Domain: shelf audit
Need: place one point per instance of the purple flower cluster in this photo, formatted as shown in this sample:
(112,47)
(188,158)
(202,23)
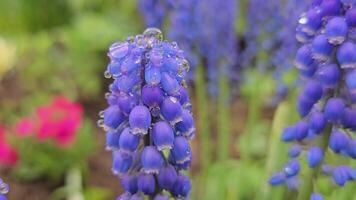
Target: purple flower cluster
(207,36)
(270,44)
(154,11)
(327,63)
(149,121)
(183,28)
(264,22)
(4,189)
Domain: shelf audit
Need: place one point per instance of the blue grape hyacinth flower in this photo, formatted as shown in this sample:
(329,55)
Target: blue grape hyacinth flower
(149,120)
(326,104)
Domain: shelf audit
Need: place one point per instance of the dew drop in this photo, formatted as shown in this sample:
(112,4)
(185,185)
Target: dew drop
(107,74)
(153,32)
(101,113)
(4,188)
(107,95)
(100,123)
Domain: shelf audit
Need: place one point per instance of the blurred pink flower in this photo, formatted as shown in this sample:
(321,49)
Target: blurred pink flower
(25,127)
(60,120)
(8,156)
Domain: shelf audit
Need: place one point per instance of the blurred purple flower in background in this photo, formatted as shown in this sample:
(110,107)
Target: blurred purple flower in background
(149,121)
(327,64)
(154,12)
(205,38)
(269,38)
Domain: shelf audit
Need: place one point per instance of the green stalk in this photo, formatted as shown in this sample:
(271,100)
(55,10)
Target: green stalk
(306,188)
(223,118)
(74,184)
(275,154)
(203,119)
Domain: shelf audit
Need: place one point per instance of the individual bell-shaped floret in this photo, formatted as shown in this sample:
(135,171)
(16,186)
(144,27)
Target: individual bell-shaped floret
(126,83)
(113,117)
(128,141)
(329,75)
(114,68)
(309,72)
(126,102)
(122,162)
(312,21)
(342,174)
(186,127)
(171,110)
(301,131)
(289,134)
(336,30)
(334,109)
(182,186)
(348,120)
(321,48)
(338,141)
(317,122)
(118,50)
(304,104)
(294,151)
(129,183)
(315,156)
(146,183)
(140,120)
(291,168)
(130,64)
(152,95)
(277,178)
(313,90)
(183,97)
(162,135)
(181,150)
(330,8)
(304,58)
(112,140)
(167,177)
(153,75)
(151,159)
(170,85)
(346,55)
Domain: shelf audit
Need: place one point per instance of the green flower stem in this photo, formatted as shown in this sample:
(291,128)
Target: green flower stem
(74,184)
(253,118)
(310,175)
(275,153)
(223,118)
(203,118)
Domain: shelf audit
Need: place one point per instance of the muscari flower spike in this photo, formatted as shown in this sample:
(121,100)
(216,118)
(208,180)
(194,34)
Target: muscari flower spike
(327,64)
(149,122)
(4,189)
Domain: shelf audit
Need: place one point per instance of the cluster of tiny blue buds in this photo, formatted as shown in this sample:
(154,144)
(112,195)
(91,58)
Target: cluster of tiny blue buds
(4,189)
(149,122)
(327,64)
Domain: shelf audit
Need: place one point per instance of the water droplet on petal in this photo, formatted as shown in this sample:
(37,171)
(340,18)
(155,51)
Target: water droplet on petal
(107,74)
